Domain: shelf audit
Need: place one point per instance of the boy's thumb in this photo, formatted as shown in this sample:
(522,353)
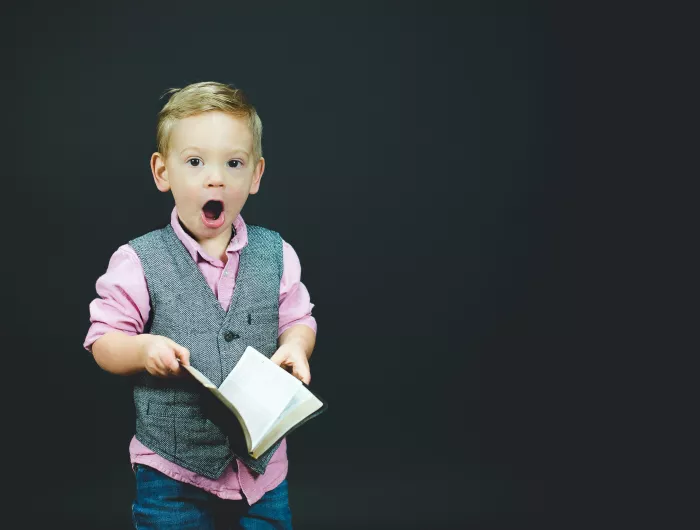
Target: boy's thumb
(304,374)
(277,358)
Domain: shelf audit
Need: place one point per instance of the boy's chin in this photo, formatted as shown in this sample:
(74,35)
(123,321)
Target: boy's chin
(200,230)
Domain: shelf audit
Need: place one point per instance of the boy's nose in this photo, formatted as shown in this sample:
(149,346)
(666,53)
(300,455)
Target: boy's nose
(215,179)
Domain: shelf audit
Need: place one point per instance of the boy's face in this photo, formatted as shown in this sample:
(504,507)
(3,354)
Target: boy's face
(210,171)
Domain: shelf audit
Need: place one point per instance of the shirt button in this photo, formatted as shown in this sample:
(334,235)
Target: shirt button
(230,335)
(225,273)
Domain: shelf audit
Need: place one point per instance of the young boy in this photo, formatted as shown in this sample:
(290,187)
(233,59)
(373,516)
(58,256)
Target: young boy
(199,291)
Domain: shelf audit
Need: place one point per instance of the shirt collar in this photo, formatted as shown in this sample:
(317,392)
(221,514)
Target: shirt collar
(239,239)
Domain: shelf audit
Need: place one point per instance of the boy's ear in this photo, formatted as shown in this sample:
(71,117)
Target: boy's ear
(160,173)
(257,175)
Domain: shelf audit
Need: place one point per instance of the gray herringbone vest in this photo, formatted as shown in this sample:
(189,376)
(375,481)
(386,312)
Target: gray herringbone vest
(175,417)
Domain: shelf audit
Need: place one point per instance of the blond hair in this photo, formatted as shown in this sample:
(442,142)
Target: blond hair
(203,97)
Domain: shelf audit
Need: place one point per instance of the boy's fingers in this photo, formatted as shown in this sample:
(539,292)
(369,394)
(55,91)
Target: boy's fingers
(301,371)
(159,366)
(159,362)
(299,368)
(184,356)
(277,358)
(169,361)
(181,353)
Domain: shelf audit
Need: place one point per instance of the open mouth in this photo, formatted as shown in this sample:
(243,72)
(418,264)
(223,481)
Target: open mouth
(213,215)
(212,210)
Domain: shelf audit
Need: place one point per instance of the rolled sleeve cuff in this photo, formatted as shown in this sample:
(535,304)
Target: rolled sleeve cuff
(97,330)
(306,321)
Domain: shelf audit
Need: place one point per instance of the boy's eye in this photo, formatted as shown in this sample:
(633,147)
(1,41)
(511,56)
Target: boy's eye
(234,163)
(194,162)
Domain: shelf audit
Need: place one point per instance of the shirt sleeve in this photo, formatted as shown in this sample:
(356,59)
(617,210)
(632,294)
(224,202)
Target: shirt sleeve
(123,302)
(295,304)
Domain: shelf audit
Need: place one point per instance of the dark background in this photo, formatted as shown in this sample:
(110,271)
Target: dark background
(429,163)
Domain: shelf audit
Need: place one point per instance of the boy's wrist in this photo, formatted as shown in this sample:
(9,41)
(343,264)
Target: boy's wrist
(300,336)
(141,342)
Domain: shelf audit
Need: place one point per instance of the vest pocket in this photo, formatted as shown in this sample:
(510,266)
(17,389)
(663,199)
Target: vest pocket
(189,429)
(262,314)
(198,440)
(197,433)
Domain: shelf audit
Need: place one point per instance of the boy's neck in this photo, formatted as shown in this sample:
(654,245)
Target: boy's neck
(216,248)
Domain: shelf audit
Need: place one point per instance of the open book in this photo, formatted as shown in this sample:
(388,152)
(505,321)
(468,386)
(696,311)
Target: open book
(268,401)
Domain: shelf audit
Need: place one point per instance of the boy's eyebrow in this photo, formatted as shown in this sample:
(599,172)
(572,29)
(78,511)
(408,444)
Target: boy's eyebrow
(239,151)
(195,148)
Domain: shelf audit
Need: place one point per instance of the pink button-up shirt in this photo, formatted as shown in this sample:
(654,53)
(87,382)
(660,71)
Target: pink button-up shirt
(124,305)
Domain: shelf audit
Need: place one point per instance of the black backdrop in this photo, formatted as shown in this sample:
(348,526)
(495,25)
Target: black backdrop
(416,160)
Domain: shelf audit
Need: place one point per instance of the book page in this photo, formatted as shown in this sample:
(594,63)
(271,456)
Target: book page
(303,404)
(260,390)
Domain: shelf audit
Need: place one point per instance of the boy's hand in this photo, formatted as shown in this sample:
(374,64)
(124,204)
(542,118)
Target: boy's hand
(160,356)
(292,358)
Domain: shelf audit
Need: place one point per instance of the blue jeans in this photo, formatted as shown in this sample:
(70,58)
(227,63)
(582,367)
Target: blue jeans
(164,503)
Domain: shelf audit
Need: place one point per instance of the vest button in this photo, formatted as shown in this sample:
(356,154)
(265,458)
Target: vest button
(229,336)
